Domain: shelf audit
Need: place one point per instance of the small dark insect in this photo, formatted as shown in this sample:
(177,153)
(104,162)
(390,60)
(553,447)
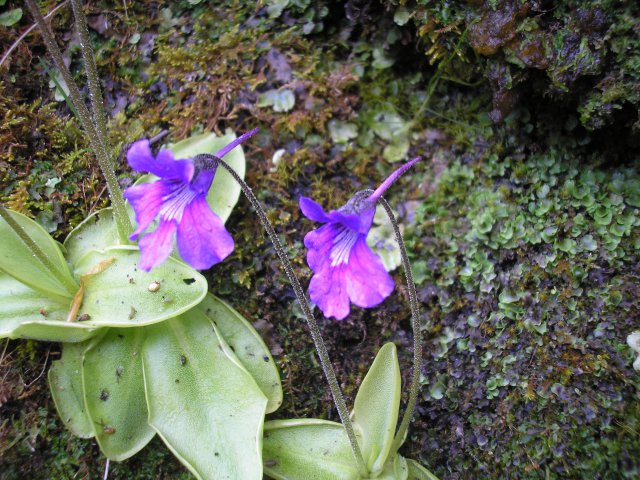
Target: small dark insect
(132,281)
(183,360)
(43,312)
(84,317)
(188,281)
(104,395)
(119,372)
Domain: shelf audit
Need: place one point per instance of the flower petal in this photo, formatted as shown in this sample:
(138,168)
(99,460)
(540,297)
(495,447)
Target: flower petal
(367,281)
(327,290)
(141,159)
(360,222)
(312,210)
(155,247)
(146,201)
(320,242)
(202,183)
(202,238)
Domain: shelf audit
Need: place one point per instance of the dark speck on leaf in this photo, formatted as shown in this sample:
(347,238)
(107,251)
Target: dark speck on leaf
(84,317)
(104,395)
(189,281)
(265,358)
(183,360)
(177,380)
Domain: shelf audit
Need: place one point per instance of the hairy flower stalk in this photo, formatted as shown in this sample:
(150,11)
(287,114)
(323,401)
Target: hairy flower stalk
(99,116)
(417,332)
(325,362)
(98,143)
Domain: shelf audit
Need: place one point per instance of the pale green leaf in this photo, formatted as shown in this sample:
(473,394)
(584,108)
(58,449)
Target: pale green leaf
(97,232)
(395,469)
(114,393)
(375,411)
(27,313)
(279,100)
(342,132)
(65,383)
(381,59)
(386,124)
(401,16)
(19,262)
(205,406)
(7,19)
(224,192)
(247,345)
(124,296)
(308,449)
(397,150)
(275,7)
(418,472)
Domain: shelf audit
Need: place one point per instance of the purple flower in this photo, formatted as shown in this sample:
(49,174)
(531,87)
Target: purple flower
(178,199)
(345,269)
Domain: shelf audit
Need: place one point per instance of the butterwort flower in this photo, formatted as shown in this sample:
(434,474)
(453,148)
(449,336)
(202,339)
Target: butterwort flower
(345,269)
(178,200)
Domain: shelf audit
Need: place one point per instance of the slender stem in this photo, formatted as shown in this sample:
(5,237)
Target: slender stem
(417,333)
(91,70)
(123,223)
(64,280)
(311,321)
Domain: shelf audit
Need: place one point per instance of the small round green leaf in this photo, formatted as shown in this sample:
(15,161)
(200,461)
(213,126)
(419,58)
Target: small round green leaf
(114,393)
(124,296)
(308,448)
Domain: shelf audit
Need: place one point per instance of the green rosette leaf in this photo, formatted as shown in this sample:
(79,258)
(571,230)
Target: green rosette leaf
(114,392)
(122,295)
(206,407)
(248,347)
(375,411)
(18,261)
(308,449)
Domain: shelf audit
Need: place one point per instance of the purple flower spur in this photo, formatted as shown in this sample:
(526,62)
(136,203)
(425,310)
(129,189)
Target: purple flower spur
(178,199)
(345,269)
